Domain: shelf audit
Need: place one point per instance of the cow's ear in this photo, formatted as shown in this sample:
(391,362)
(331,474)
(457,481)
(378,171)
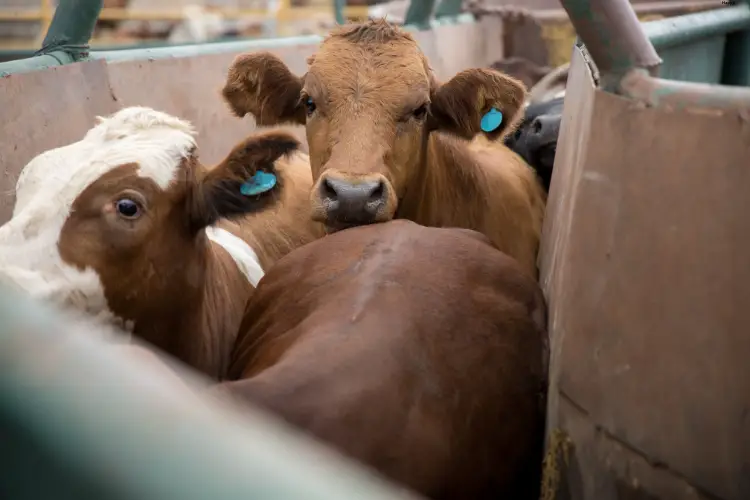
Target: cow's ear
(260,84)
(477,101)
(245,182)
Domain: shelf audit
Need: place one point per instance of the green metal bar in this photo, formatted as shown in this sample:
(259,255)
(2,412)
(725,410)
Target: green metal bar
(613,36)
(82,421)
(338,11)
(682,30)
(448,8)
(736,68)
(71,28)
(66,40)
(419,13)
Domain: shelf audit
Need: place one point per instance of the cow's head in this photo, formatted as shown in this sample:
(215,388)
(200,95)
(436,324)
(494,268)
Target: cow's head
(115,223)
(368,101)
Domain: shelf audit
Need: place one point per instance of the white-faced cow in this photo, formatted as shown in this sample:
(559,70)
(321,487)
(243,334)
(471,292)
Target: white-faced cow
(126,224)
(388,141)
(418,351)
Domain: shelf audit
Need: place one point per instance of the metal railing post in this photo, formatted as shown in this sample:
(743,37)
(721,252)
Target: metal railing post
(338,11)
(419,13)
(71,29)
(613,36)
(67,38)
(448,8)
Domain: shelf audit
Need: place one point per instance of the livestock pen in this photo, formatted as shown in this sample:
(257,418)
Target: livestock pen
(643,265)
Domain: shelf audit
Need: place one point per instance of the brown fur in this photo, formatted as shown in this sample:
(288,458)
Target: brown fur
(183,292)
(369,85)
(418,351)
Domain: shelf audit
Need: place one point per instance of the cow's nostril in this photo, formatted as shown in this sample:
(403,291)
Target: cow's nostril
(536,126)
(328,190)
(377,193)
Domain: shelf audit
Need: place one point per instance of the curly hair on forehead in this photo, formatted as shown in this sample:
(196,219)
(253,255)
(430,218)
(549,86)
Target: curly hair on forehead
(372,31)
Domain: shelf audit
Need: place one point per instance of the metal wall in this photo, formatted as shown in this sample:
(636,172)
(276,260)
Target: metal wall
(644,265)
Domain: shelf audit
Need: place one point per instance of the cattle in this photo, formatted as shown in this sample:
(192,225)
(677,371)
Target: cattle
(418,351)
(387,141)
(128,226)
(535,139)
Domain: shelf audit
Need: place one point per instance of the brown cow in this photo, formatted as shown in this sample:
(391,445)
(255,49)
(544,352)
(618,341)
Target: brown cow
(369,102)
(418,351)
(126,224)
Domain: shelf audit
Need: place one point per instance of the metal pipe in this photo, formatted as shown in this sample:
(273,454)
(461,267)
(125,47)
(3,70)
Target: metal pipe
(683,30)
(71,28)
(448,8)
(80,417)
(338,11)
(655,92)
(613,36)
(66,40)
(419,13)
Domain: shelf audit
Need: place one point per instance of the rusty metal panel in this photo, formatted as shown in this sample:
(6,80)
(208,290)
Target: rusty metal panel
(47,109)
(644,263)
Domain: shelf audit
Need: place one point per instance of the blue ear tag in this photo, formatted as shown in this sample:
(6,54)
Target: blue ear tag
(258,184)
(491,120)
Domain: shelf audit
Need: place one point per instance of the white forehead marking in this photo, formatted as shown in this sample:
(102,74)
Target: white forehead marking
(156,141)
(242,253)
(48,186)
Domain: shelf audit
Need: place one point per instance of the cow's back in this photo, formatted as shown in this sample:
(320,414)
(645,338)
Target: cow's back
(418,351)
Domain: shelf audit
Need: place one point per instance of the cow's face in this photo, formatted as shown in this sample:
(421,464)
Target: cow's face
(368,101)
(114,222)
(535,139)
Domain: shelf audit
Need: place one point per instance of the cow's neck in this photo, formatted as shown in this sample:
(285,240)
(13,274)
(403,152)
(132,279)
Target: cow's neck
(445,176)
(204,315)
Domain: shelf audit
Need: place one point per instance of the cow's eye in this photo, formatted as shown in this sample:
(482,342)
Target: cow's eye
(310,106)
(128,208)
(420,112)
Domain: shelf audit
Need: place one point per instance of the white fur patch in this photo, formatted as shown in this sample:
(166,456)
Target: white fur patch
(242,254)
(51,182)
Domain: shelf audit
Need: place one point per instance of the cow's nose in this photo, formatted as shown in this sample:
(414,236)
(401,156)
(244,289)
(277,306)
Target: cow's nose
(546,128)
(352,202)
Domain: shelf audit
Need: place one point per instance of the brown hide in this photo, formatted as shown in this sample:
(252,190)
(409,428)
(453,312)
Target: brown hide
(182,292)
(387,140)
(418,351)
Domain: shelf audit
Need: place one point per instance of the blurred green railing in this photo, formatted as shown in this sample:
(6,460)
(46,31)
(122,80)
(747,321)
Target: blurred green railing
(74,21)
(707,47)
(80,421)
(710,47)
